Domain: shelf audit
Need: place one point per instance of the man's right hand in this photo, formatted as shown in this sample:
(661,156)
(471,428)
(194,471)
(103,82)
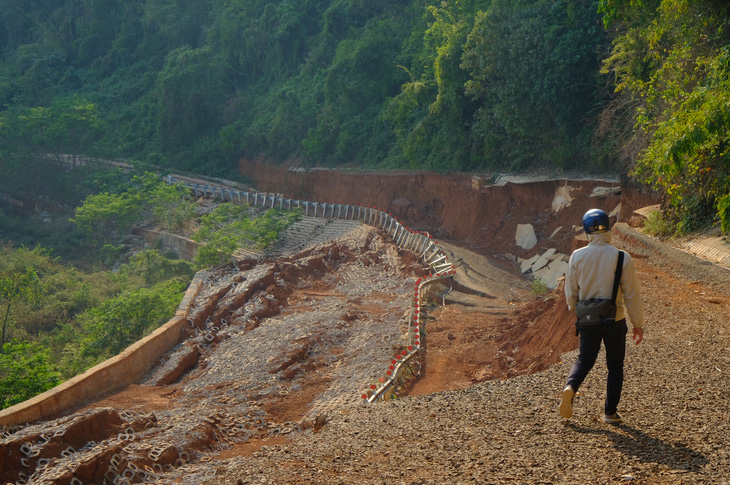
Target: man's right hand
(638,335)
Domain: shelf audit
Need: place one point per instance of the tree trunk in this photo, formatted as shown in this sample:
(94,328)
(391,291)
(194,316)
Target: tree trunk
(5,325)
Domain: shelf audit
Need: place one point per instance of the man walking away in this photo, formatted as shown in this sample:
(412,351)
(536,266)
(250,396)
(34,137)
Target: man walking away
(590,276)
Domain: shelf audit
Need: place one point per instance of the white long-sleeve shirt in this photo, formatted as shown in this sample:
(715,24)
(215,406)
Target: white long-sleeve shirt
(590,274)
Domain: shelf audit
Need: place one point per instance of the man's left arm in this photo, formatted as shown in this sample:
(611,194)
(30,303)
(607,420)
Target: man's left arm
(571,285)
(631,293)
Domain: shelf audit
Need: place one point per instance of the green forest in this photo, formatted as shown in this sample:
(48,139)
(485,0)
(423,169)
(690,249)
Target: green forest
(631,87)
(635,88)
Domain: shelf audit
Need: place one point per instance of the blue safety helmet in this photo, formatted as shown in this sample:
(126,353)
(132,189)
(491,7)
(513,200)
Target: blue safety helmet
(596,221)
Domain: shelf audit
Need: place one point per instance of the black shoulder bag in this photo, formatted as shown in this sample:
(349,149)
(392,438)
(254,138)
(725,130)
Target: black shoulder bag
(598,310)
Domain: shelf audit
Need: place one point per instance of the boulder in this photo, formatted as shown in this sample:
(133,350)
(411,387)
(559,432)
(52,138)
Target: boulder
(525,236)
(562,198)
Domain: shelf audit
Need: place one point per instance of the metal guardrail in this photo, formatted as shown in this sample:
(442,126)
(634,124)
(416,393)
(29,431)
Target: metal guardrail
(404,237)
(397,364)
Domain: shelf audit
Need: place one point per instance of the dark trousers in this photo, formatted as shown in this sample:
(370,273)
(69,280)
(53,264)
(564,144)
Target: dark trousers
(613,337)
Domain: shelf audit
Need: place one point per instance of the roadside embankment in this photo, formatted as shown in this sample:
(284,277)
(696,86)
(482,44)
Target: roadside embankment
(481,214)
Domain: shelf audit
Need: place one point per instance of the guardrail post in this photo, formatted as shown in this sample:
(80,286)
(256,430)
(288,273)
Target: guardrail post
(401,237)
(424,241)
(412,239)
(430,247)
(407,236)
(416,240)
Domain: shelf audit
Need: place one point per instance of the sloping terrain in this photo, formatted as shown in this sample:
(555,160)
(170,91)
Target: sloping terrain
(266,387)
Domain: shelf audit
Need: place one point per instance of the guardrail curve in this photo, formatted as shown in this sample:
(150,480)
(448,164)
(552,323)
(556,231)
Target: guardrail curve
(404,237)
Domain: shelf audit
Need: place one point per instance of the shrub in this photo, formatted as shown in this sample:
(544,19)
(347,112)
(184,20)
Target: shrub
(658,225)
(24,372)
(539,287)
(119,322)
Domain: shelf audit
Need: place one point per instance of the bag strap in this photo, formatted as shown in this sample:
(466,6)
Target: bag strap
(617,278)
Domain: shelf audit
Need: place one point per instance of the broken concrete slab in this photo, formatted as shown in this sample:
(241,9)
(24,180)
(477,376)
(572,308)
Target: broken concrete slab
(543,260)
(605,191)
(552,273)
(526,264)
(645,212)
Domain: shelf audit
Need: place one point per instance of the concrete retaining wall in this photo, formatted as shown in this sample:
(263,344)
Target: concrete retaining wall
(184,247)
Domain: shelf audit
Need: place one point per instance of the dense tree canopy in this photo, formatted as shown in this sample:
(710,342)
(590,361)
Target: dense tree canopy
(671,59)
(229,227)
(631,86)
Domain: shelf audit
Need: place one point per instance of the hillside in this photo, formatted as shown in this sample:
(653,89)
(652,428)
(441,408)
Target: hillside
(197,85)
(634,89)
(274,394)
